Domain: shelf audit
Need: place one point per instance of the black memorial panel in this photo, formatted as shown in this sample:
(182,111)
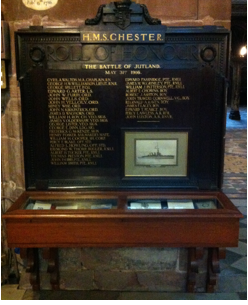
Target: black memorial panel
(107,107)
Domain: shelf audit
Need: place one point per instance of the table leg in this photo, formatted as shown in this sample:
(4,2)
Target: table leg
(32,257)
(51,255)
(194,254)
(214,256)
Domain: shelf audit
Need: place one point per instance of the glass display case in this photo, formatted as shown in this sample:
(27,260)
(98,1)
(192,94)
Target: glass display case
(132,204)
(121,217)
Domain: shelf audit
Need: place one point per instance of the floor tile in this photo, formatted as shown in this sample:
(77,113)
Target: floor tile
(31,295)
(234,283)
(241,249)
(178,296)
(218,296)
(155,296)
(11,292)
(243,210)
(240,202)
(244,221)
(243,233)
(241,264)
(242,123)
(226,264)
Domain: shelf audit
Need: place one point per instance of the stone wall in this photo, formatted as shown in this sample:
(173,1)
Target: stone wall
(107,269)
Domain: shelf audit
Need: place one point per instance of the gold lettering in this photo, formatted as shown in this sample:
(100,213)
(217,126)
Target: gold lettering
(96,37)
(121,37)
(143,36)
(113,37)
(146,98)
(130,37)
(159,37)
(86,37)
(74,131)
(151,37)
(99,36)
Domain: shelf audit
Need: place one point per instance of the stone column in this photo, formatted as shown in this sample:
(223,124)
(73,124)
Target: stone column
(237,63)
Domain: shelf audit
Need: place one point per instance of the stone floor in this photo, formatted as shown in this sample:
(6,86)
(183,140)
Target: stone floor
(234,266)
(232,283)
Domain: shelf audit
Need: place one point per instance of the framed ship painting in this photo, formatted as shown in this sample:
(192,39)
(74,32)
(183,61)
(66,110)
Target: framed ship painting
(155,153)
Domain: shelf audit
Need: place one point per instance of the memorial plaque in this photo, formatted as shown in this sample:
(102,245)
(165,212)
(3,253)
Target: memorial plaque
(123,132)
(86,90)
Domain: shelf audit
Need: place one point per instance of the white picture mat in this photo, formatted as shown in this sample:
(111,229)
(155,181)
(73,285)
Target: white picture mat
(168,139)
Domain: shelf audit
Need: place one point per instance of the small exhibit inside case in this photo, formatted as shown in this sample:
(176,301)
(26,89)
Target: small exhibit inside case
(123,134)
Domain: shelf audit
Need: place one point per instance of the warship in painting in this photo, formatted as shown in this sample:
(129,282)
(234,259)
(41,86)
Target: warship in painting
(157,155)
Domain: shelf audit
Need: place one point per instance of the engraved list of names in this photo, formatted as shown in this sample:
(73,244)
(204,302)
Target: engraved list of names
(76,125)
(148,98)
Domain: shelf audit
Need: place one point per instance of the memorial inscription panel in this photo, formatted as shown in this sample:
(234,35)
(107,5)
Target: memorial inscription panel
(85,89)
(88,109)
(75,124)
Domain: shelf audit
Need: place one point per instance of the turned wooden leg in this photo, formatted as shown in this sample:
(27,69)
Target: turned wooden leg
(194,254)
(51,255)
(32,257)
(214,256)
